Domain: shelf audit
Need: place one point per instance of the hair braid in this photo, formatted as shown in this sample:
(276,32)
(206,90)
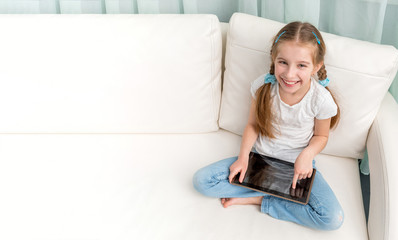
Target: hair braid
(272,69)
(322,73)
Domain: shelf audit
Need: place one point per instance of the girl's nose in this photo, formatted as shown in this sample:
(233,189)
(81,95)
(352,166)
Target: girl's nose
(291,72)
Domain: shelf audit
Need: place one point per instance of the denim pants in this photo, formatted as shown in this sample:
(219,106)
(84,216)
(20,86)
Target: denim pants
(322,212)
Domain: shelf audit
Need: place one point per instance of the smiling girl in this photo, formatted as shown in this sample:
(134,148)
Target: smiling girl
(291,113)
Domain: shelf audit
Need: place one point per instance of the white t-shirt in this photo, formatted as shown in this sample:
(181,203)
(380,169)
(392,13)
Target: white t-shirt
(295,123)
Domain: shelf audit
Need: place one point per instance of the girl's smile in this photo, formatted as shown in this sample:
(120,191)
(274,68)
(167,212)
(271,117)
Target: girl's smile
(289,83)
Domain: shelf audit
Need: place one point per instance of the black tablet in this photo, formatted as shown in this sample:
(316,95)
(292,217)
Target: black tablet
(275,177)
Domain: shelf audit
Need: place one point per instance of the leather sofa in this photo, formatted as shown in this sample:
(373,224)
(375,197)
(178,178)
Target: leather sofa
(105,119)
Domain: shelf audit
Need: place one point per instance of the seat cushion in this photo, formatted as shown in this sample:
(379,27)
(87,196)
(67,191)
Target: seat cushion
(124,186)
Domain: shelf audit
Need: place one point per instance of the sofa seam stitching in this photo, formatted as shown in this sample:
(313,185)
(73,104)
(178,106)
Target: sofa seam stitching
(212,70)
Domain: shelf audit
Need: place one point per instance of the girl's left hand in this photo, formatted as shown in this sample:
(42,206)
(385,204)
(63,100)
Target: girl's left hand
(302,167)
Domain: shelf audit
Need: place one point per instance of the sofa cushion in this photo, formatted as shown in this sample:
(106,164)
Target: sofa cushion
(110,73)
(139,186)
(360,74)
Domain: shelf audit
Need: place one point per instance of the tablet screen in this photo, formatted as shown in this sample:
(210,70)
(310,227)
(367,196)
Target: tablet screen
(275,177)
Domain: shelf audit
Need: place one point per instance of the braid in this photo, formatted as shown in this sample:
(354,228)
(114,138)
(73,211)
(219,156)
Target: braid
(272,69)
(264,114)
(322,73)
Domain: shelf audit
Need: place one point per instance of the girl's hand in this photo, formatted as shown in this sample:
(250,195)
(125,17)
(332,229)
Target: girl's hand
(302,167)
(239,166)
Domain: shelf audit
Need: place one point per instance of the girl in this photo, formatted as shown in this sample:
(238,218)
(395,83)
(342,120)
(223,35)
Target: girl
(290,117)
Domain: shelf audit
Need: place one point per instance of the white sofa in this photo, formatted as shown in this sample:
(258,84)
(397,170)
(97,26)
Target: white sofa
(105,119)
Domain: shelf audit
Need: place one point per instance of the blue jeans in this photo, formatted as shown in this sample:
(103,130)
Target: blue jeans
(322,212)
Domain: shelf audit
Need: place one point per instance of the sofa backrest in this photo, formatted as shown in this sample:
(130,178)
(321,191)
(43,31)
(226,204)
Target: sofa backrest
(360,74)
(109,73)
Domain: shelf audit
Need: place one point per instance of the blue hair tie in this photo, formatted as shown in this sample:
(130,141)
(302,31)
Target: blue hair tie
(269,78)
(325,82)
(319,42)
(279,36)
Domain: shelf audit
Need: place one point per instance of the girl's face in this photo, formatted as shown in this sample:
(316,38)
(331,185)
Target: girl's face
(293,69)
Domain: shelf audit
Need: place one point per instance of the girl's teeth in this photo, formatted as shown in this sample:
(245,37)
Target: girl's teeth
(289,83)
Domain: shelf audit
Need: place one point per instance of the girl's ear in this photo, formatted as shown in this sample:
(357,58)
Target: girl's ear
(317,67)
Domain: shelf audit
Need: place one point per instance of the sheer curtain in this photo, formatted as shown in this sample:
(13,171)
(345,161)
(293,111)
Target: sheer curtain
(369,20)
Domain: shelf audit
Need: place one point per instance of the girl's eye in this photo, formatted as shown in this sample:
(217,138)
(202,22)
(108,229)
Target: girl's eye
(302,66)
(282,62)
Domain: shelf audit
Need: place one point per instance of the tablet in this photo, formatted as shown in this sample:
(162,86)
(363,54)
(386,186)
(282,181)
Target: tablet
(275,177)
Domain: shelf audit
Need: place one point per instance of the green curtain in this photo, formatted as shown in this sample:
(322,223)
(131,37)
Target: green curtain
(369,20)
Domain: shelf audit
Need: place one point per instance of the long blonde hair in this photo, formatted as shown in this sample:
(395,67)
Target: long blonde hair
(300,32)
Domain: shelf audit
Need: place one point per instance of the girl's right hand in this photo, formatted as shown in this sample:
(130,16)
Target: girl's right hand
(239,166)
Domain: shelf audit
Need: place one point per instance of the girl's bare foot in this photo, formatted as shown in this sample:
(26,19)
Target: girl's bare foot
(226,202)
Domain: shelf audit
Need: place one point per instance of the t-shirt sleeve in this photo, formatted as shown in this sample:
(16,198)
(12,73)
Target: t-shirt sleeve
(327,108)
(256,84)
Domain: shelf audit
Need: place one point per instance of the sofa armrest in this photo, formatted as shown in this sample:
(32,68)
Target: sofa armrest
(382,145)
